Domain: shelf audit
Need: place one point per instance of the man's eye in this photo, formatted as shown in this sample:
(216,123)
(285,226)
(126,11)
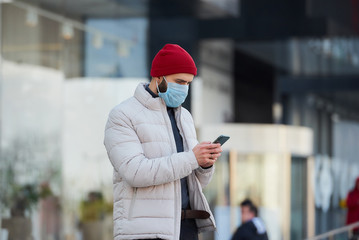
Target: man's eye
(183,82)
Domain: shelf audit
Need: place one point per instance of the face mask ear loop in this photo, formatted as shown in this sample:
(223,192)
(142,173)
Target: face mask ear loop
(158,90)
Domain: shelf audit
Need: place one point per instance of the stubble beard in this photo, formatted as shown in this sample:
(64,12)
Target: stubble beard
(162,86)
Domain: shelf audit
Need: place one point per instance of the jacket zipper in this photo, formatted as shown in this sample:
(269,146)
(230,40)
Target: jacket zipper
(185,144)
(171,137)
(132,204)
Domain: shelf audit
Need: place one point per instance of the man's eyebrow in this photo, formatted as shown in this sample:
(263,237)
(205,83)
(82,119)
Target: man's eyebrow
(181,80)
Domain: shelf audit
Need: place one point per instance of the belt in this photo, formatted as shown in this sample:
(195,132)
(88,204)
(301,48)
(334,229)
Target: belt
(194,214)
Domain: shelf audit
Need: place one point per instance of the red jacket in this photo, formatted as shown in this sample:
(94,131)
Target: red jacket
(353,204)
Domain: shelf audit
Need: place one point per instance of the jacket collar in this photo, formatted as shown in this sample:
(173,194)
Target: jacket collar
(146,99)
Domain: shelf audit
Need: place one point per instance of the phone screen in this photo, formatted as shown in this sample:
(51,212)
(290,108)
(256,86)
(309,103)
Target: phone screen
(221,139)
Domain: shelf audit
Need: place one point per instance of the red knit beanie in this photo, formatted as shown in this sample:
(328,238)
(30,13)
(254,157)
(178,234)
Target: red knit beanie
(172,59)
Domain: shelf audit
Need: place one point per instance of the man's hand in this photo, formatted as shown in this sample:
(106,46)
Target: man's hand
(207,153)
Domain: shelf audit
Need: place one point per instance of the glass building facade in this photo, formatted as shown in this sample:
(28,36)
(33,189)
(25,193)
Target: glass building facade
(60,77)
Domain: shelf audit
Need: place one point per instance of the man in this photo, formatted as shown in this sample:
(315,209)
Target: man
(252,227)
(353,207)
(159,167)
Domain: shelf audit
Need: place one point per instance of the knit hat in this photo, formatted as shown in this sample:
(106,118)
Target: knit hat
(172,59)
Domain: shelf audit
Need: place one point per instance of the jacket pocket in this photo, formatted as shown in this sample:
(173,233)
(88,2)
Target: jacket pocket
(132,204)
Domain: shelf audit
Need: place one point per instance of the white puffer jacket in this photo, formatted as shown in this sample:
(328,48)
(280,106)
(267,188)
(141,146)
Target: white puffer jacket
(147,169)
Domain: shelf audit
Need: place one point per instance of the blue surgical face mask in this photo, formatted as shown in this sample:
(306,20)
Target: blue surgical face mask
(175,94)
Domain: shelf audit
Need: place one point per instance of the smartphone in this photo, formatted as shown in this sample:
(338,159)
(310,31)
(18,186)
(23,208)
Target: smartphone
(221,139)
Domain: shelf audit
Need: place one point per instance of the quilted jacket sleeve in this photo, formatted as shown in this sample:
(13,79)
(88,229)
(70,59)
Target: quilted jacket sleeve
(204,175)
(126,154)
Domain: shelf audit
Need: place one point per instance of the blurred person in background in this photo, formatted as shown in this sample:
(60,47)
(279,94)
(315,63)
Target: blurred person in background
(159,167)
(353,207)
(252,227)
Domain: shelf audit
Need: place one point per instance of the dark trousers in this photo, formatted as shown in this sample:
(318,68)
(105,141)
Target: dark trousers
(189,230)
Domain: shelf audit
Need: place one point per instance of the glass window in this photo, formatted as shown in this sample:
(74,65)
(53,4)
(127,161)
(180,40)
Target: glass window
(60,77)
